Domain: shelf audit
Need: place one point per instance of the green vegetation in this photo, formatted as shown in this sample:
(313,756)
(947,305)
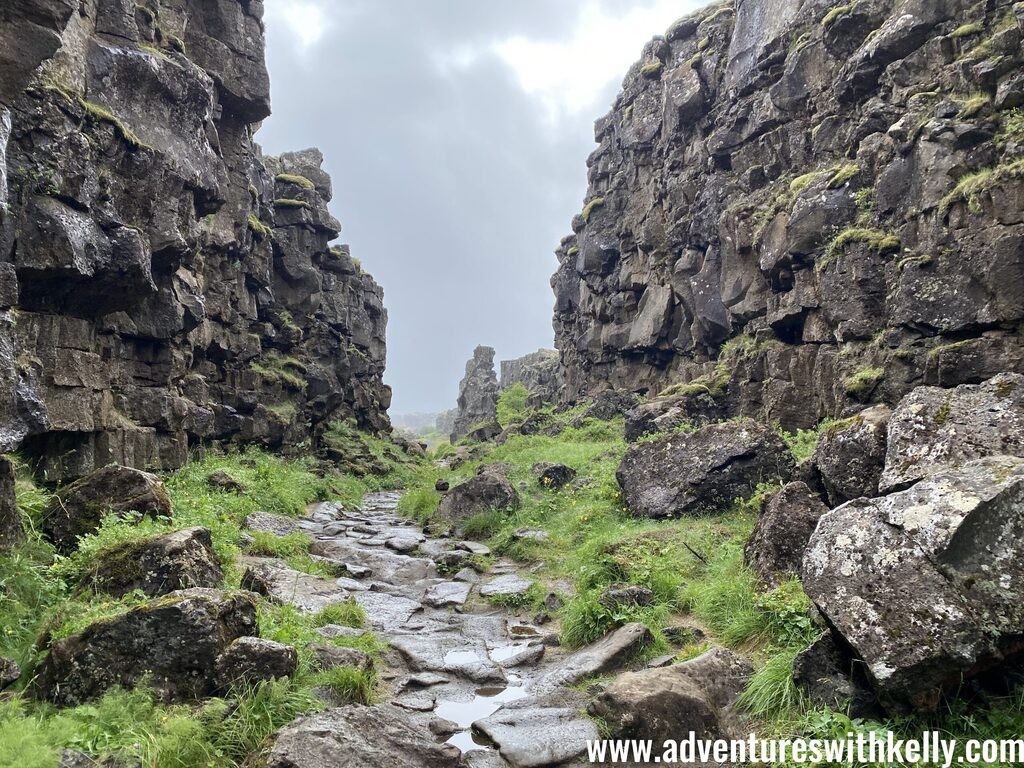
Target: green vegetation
(973,105)
(286,202)
(592,206)
(40,597)
(512,404)
(652,68)
(966,30)
(863,381)
(803,442)
(876,240)
(842,175)
(296,179)
(835,14)
(94,113)
(258,228)
(282,369)
(972,186)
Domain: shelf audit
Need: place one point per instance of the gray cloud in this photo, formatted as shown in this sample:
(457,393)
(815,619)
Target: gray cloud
(452,183)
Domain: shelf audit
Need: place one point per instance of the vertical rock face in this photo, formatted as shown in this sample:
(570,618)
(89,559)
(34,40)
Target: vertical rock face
(164,284)
(478,393)
(537,371)
(779,182)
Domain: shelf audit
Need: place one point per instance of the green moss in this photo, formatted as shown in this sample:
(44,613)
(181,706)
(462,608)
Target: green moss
(652,68)
(285,370)
(966,30)
(974,105)
(97,114)
(972,186)
(863,381)
(257,227)
(835,14)
(592,206)
(294,178)
(175,43)
(876,240)
(704,43)
(842,175)
(573,250)
(695,61)
(286,202)
(800,183)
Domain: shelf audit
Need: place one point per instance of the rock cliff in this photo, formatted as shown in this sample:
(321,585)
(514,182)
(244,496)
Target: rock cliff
(537,371)
(797,207)
(478,394)
(163,284)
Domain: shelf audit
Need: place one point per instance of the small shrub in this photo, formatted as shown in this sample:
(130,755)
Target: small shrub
(512,404)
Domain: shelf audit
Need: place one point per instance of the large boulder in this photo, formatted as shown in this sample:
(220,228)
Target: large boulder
(934,429)
(851,454)
(10,519)
(776,547)
(251,660)
(667,413)
(173,642)
(356,737)
(78,509)
(830,677)
(660,704)
(158,565)
(701,472)
(926,585)
(484,492)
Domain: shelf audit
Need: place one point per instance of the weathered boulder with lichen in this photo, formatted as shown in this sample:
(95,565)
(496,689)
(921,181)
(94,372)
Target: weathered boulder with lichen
(775,549)
(838,187)
(701,472)
(934,429)
(478,395)
(926,585)
(173,642)
(172,286)
(850,455)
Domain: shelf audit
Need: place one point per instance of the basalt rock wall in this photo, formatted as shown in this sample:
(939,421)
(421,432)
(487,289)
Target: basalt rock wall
(797,207)
(164,286)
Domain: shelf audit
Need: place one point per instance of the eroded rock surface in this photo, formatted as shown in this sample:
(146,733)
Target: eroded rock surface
(478,396)
(775,550)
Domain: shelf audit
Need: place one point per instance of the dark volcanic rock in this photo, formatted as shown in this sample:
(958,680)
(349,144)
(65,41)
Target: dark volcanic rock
(851,454)
(10,518)
(701,472)
(484,492)
(222,481)
(934,429)
(478,396)
(251,660)
(537,371)
(830,677)
(555,476)
(780,180)
(173,641)
(775,549)
(356,737)
(77,509)
(926,585)
(696,695)
(158,565)
(609,404)
(9,672)
(173,287)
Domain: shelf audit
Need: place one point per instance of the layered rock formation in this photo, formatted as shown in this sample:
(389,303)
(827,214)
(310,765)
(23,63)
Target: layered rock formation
(537,371)
(166,286)
(797,207)
(478,394)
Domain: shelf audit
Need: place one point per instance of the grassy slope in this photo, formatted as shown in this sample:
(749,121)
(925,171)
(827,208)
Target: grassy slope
(694,568)
(39,593)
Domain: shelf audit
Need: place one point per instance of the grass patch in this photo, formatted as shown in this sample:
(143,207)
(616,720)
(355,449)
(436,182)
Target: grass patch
(512,404)
(257,227)
(835,14)
(348,613)
(296,179)
(876,240)
(967,30)
(592,206)
(96,114)
(863,381)
(349,685)
(287,202)
(970,188)
(652,69)
(281,369)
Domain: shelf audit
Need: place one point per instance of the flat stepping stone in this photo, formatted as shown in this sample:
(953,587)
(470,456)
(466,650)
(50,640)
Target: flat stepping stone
(386,565)
(450,653)
(333,631)
(425,680)
(447,594)
(530,654)
(467,575)
(474,548)
(605,654)
(509,585)
(386,611)
(532,737)
(402,544)
(268,522)
(286,585)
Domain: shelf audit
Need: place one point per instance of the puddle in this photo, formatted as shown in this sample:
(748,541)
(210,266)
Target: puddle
(461,657)
(505,652)
(484,703)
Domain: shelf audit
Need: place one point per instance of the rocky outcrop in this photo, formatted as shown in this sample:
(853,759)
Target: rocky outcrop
(701,472)
(775,550)
(173,642)
(478,395)
(482,493)
(926,585)
(537,371)
(797,208)
(11,532)
(172,287)
(850,455)
(78,509)
(250,660)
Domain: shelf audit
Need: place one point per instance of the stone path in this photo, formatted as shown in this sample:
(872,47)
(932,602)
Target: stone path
(459,671)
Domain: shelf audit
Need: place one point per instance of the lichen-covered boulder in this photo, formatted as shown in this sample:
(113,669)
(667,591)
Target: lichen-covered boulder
(356,737)
(926,585)
(776,547)
(78,509)
(484,492)
(667,413)
(158,565)
(701,472)
(934,429)
(660,704)
(250,660)
(851,454)
(174,642)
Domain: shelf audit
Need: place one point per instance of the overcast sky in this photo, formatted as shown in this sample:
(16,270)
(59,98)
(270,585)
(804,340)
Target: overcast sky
(456,132)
